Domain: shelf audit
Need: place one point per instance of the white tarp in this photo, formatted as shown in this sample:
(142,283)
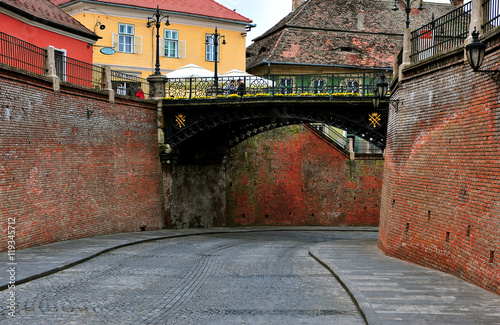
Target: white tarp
(249,78)
(190,71)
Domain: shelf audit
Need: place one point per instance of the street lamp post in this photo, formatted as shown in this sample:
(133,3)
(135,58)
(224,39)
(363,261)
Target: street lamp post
(407,5)
(380,91)
(156,19)
(214,38)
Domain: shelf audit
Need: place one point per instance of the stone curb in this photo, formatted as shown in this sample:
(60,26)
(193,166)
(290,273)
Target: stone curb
(65,266)
(364,307)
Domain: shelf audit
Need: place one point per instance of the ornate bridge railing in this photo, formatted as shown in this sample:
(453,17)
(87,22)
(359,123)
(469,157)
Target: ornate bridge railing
(354,84)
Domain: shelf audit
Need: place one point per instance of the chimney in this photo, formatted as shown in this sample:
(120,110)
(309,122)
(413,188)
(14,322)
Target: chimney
(457,3)
(296,4)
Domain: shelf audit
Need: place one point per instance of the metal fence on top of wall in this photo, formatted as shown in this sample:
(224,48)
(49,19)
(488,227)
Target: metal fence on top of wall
(451,30)
(491,15)
(22,55)
(78,72)
(441,34)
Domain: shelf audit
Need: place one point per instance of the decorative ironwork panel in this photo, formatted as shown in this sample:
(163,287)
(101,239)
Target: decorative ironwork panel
(201,87)
(177,88)
(239,120)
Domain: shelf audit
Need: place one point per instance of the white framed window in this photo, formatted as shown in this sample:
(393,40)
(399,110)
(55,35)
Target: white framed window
(125,41)
(210,48)
(171,43)
(126,38)
(60,63)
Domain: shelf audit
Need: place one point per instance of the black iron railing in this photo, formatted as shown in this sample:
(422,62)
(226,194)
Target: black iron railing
(491,15)
(79,72)
(20,54)
(128,84)
(441,34)
(342,84)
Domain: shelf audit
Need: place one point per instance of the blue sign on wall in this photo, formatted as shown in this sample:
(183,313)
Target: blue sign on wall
(108,50)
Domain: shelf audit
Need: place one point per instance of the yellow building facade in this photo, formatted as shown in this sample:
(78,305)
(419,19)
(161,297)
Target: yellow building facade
(123,29)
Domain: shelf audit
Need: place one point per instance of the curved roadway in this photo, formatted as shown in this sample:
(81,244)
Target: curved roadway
(240,278)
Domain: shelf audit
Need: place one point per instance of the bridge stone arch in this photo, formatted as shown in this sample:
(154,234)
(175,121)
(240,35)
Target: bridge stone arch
(194,128)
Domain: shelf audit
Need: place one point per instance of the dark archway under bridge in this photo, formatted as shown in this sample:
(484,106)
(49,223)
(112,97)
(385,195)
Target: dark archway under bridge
(204,130)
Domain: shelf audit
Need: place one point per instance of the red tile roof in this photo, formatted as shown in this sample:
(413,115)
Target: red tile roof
(206,8)
(45,12)
(328,32)
(342,15)
(295,46)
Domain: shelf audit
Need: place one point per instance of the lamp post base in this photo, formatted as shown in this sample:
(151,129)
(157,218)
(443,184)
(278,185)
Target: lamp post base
(157,84)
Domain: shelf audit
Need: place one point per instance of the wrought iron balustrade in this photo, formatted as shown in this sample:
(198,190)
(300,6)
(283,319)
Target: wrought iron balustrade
(19,54)
(491,15)
(79,72)
(354,84)
(442,34)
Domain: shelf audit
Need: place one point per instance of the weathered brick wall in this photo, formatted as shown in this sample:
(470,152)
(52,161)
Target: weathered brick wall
(289,176)
(195,195)
(73,165)
(441,185)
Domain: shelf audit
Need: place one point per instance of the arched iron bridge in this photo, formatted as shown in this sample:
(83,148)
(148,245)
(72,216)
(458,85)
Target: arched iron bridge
(208,120)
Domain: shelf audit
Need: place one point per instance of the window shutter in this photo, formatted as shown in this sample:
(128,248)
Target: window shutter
(115,41)
(138,44)
(182,49)
(162,47)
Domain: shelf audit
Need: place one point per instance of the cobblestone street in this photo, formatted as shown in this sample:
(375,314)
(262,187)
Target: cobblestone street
(252,278)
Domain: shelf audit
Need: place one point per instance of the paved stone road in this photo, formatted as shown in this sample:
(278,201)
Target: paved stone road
(254,278)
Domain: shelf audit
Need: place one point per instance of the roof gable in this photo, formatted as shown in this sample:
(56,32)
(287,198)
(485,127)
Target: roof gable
(206,8)
(45,12)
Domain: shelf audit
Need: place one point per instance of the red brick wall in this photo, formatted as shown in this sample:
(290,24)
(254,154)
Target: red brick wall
(289,176)
(64,175)
(441,186)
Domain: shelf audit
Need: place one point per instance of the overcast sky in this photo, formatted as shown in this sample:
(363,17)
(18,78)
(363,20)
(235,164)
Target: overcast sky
(266,13)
